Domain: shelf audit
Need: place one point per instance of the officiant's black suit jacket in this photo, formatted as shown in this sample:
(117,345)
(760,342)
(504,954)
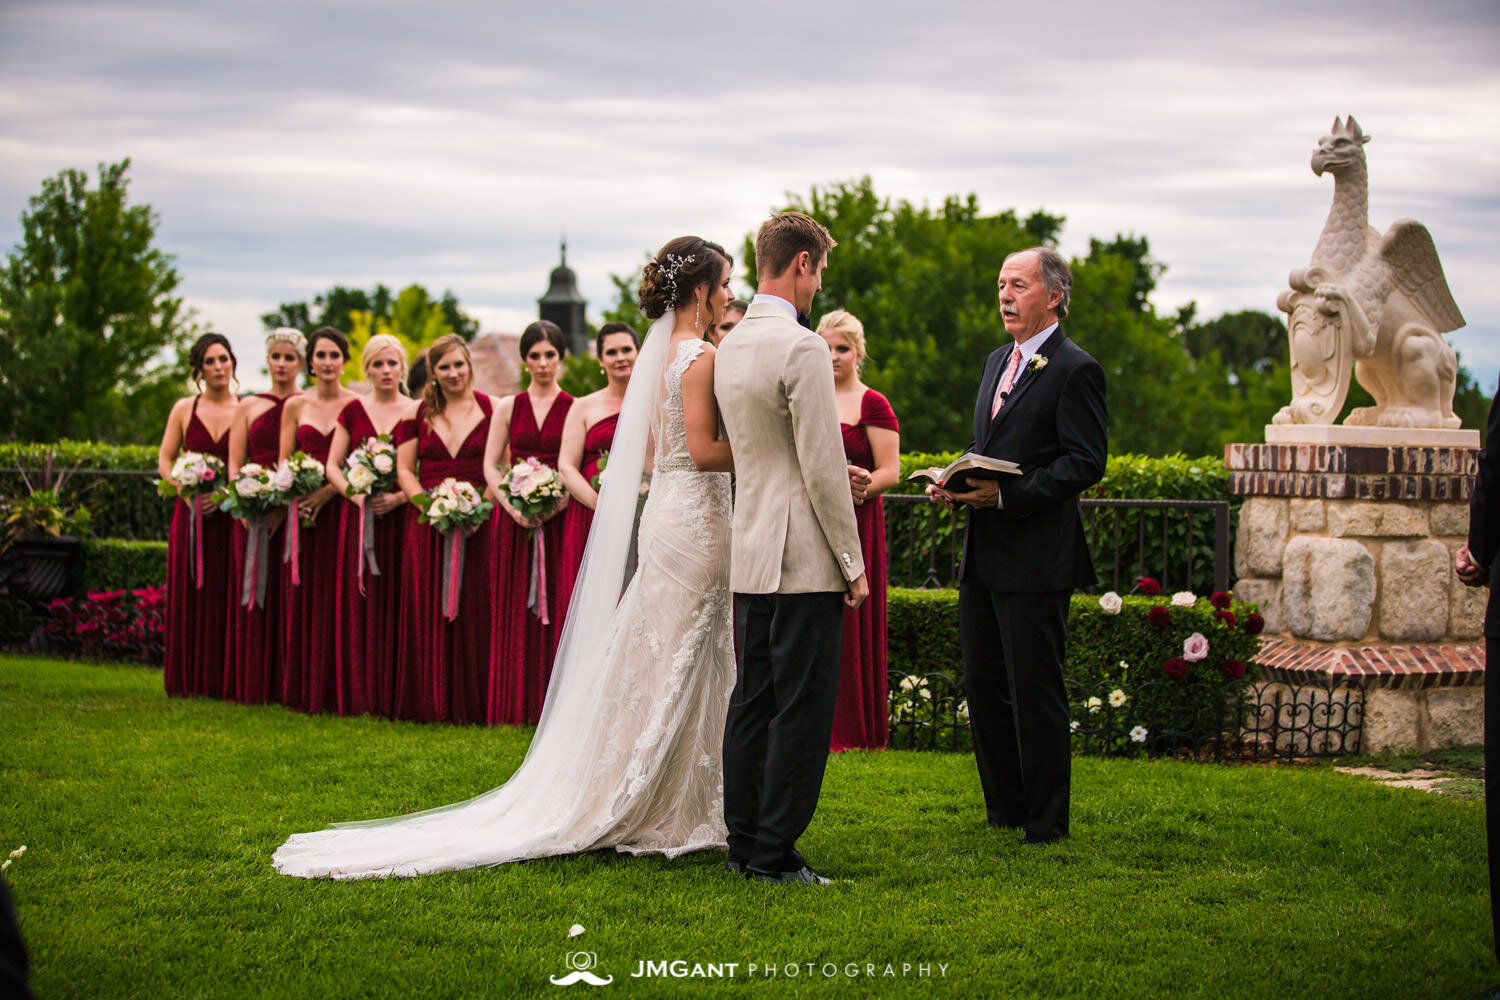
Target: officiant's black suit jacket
(1053,426)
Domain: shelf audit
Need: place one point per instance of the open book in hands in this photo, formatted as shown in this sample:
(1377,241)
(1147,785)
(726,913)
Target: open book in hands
(956,477)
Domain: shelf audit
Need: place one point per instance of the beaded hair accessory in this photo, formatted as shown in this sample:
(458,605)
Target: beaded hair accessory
(289,336)
(669,272)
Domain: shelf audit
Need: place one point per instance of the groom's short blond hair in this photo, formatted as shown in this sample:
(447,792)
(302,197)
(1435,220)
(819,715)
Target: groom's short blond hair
(785,235)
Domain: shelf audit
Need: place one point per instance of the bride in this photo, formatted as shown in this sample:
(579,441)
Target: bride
(627,752)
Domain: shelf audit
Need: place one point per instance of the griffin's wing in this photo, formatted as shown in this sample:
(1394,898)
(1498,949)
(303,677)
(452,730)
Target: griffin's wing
(1407,249)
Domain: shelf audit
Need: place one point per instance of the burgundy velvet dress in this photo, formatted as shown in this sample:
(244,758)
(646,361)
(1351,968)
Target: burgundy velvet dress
(443,672)
(521,661)
(199,606)
(861,717)
(310,664)
(577,518)
(369,621)
(254,675)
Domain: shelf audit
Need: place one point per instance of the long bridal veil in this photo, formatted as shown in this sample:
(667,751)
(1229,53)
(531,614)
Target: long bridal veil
(550,805)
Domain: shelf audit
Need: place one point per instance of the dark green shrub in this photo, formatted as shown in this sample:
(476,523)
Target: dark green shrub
(113,482)
(114,564)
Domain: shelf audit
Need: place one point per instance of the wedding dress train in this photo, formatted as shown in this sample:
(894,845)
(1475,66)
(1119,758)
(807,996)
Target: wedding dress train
(627,754)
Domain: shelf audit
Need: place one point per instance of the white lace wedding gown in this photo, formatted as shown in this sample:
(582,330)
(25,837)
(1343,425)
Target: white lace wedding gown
(638,769)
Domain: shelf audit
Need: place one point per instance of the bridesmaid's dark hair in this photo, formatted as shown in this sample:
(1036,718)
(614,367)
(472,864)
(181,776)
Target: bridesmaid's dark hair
(198,353)
(543,329)
(610,329)
(433,400)
(669,278)
(326,333)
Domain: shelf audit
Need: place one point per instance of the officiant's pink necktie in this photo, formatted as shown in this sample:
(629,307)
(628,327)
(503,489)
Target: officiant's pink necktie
(1007,380)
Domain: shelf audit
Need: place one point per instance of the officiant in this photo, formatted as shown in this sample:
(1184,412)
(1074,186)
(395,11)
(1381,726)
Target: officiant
(1041,405)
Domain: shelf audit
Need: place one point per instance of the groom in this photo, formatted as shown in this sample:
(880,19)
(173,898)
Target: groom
(795,559)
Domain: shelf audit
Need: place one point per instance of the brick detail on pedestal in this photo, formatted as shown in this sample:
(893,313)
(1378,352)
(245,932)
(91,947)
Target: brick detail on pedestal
(1350,472)
(1400,668)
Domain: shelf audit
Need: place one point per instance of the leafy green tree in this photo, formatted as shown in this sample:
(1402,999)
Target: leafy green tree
(92,336)
(413,318)
(337,306)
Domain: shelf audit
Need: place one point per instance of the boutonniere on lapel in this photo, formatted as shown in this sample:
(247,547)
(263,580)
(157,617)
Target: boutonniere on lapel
(1037,362)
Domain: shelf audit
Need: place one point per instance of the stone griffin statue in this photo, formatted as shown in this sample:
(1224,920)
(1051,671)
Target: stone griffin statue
(1378,302)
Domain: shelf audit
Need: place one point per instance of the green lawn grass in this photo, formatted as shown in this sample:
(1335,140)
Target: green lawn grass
(150,824)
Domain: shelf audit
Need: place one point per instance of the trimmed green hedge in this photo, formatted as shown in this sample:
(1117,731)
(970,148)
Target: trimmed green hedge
(113,564)
(123,506)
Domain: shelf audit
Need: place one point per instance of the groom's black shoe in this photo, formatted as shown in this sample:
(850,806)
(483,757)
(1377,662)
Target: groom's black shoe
(802,876)
(734,867)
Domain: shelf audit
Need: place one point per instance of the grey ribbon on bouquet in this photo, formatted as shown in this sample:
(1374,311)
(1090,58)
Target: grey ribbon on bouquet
(257,563)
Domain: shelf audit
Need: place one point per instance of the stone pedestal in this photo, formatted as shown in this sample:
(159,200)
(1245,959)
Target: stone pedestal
(1346,541)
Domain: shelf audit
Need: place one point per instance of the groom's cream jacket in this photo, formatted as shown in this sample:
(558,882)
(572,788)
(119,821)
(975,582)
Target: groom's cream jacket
(794,529)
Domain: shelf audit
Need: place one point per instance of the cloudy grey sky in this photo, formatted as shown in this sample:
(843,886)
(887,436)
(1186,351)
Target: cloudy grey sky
(289,145)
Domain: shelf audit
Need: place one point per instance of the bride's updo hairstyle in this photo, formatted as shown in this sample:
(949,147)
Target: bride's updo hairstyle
(668,280)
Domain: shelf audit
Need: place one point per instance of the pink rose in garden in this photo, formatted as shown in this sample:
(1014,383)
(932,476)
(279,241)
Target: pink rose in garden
(1194,647)
(1159,616)
(1175,668)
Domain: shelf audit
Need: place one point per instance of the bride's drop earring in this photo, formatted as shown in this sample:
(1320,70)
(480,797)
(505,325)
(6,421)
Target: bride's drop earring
(698,315)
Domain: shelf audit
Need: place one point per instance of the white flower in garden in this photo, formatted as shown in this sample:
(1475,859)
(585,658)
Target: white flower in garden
(924,694)
(1124,665)
(383,462)
(908,683)
(1138,734)
(963,710)
(1110,603)
(1194,647)
(1184,599)
(1073,726)
(1094,704)
(1118,698)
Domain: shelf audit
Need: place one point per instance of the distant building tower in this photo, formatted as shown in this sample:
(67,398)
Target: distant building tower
(564,306)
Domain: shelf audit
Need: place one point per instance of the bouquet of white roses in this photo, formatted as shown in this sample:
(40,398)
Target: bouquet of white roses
(298,476)
(533,489)
(452,504)
(193,474)
(252,493)
(371,468)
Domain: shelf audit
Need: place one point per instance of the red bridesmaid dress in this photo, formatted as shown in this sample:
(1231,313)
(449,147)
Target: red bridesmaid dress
(309,671)
(199,603)
(369,604)
(861,718)
(444,668)
(254,675)
(577,518)
(521,662)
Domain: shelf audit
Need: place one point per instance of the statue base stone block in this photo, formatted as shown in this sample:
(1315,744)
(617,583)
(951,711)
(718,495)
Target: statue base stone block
(1347,544)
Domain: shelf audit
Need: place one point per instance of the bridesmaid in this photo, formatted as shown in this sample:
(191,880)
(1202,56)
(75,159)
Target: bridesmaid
(444,668)
(527,425)
(309,674)
(199,582)
(254,671)
(370,600)
(587,435)
(872,441)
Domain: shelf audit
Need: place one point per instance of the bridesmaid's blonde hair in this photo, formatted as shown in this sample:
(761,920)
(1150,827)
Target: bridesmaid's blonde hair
(848,326)
(381,342)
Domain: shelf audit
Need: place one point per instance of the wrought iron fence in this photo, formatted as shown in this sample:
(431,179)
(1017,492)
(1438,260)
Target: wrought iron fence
(1258,721)
(1184,544)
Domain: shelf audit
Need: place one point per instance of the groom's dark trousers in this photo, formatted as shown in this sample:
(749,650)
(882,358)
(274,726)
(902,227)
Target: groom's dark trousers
(1021,562)
(780,721)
